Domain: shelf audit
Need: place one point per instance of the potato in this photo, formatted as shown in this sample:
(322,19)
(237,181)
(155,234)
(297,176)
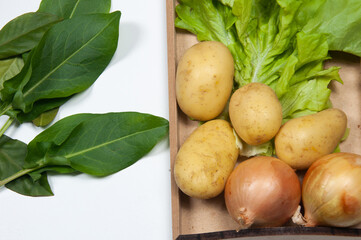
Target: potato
(255,113)
(303,140)
(204,80)
(206,159)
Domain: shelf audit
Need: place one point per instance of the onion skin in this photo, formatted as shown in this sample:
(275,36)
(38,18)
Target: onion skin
(262,192)
(331,191)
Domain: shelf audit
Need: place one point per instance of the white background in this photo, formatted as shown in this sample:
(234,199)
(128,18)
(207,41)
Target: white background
(131,204)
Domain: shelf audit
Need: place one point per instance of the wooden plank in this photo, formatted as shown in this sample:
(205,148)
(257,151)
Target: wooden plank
(173,116)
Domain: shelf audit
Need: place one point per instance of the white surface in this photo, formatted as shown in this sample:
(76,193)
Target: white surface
(131,204)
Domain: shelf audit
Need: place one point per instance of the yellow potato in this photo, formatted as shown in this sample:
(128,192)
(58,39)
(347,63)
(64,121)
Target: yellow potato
(206,159)
(204,80)
(255,113)
(303,140)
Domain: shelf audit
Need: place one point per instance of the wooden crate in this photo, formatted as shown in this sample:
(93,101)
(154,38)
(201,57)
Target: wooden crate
(209,219)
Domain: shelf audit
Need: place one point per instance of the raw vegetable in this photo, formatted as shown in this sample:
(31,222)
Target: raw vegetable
(24,32)
(206,159)
(43,82)
(45,118)
(255,113)
(78,62)
(60,61)
(204,80)
(331,191)
(262,192)
(96,144)
(9,68)
(280,43)
(303,140)
(70,8)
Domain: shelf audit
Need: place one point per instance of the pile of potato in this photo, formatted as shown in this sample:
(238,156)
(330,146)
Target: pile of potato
(204,88)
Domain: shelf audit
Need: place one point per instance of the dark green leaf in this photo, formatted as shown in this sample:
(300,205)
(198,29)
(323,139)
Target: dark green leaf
(24,33)
(36,175)
(53,136)
(102,144)
(12,155)
(69,58)
(69,8)
(117,141)
(16,83)
(25,185)
(40,107)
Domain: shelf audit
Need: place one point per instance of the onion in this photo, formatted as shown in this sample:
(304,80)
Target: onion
(262,192)
(331,191)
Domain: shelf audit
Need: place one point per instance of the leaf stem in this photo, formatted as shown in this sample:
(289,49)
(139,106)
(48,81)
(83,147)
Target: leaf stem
(6,125)
(4,110)
(17,175)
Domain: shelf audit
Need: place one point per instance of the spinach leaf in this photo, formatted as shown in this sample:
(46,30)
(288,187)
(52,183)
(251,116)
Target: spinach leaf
(12,156)
(25,185)
(68,59)
(40,107)
(24,33)
(16,83)
(9,68)
(37,174)
(70,8)
(99,145)
(53,136)
(96,144)
(45,118)
(117,141)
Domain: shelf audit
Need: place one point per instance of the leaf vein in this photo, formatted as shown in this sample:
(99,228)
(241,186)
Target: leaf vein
(109,142)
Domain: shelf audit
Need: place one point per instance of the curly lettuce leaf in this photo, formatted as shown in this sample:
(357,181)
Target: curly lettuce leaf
(339,20)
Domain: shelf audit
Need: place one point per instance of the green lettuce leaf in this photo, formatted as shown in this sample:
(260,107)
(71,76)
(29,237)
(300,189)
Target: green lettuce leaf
(339,20)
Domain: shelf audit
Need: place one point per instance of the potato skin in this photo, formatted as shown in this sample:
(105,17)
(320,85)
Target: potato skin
(301,141)
(255,113)
(206,159)
(204,80)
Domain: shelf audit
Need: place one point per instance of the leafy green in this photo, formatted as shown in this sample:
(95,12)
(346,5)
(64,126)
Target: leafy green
(70,8)
(68,59)
(96,144)
(9,68)
(45,118)
(12,159)
(340,21)
(54,136)
(50,59)
(24,32)
(282,43)
(41,106)
(12,156)
(101,144)
(25,185)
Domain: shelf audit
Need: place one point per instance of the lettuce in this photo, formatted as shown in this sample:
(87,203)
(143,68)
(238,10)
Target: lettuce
(282,43)
(339,20)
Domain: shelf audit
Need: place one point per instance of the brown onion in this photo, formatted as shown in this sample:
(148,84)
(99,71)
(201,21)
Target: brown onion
(331,191)
(262,192)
